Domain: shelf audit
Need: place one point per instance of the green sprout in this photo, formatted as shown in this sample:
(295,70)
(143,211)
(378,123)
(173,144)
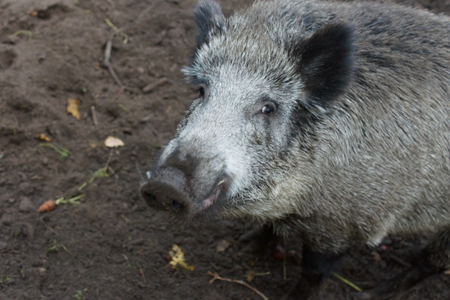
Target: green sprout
(98,174)
(124,108)
(73,200)
(55,248)
(4,280)
(64,153)
(27,32)
(78,295)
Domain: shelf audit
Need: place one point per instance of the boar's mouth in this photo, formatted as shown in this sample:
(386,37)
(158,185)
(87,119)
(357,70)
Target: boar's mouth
(169,191)
(213,196)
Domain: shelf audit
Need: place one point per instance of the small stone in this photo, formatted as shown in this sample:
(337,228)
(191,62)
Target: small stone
(140,70)
(10,39)
(7,219)
(3,245)
(174,68)
(42,271)
(222,246)
(36,264)
(41,56)
(26,188)
(137,242)
(26,205)
(45,161)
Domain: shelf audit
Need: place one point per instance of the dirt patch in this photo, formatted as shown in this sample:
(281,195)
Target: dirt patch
(111,246)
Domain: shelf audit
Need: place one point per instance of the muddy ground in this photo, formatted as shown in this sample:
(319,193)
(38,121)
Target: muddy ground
(111,246)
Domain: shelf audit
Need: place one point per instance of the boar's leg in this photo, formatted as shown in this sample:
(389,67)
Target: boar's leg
(434,259)
(315,266)
(260,238)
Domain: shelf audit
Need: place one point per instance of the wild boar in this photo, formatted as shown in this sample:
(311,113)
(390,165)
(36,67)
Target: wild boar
(327,120)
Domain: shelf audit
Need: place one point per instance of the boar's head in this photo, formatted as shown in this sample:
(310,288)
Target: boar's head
(245,147)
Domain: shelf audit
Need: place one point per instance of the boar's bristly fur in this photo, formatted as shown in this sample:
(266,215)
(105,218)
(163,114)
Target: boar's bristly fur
(326,120)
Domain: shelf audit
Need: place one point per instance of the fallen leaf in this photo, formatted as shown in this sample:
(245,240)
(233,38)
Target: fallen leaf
(73,108)
(43,137)
(177,261)
(222,246)
(376,256)
(250,275)
(112,142)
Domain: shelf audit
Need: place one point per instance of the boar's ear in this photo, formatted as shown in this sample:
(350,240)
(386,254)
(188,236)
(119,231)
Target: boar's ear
(209,19)
(325,63)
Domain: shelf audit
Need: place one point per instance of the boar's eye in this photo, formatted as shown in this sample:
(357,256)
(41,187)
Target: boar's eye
(267,109)
(201,91)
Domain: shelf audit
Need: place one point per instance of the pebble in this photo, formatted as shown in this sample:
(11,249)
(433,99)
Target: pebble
(7,219)
(26,205)
(10,39)
(137,242)
(3,245)
(26,188)
(146,118)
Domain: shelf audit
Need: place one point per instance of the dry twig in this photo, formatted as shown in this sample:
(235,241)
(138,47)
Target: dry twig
(399,261)
(217,277)
(143,275)
(51,229)
(107,162)
(94,115)
(107,62)
(152,86)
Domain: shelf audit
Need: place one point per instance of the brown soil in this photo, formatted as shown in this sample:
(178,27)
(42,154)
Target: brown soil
(111,246)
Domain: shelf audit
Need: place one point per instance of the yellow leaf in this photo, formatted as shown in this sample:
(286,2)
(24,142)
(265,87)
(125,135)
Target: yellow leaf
(177,261)
(43,137)
(112,142)
(250,275)
(222,246)
(73,108)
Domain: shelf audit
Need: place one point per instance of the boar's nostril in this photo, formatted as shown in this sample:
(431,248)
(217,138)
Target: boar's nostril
(175,206)
(166,191)
(150,199)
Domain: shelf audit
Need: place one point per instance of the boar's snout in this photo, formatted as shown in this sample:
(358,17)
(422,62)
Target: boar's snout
(167,191)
